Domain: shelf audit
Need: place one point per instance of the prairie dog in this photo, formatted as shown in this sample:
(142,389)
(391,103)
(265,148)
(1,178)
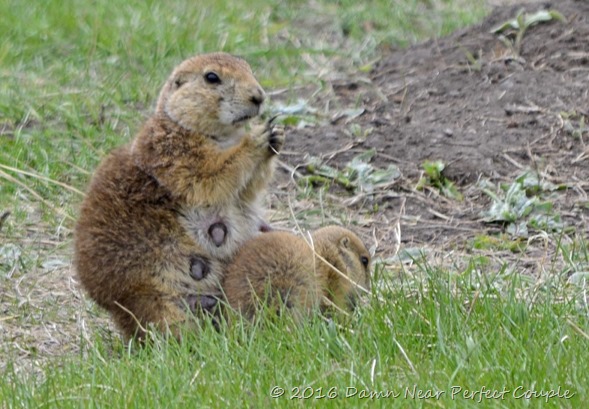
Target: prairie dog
(197,147)
(163,213)
(279,269)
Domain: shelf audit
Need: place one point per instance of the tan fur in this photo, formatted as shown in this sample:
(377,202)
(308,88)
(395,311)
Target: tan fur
(150,203)
(280,269)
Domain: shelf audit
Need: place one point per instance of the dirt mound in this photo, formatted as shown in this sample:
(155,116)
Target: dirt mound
(485,104)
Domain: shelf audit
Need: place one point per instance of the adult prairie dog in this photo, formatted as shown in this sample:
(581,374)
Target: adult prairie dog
(280,269)
(163,213)
(198,148)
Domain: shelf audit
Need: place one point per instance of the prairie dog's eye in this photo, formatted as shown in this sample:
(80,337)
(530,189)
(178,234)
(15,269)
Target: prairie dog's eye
(364,260)
(212,78)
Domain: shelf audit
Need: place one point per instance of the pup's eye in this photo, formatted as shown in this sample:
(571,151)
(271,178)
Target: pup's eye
(212,78)
(364,260)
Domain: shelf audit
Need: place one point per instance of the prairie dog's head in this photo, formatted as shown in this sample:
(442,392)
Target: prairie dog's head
(346,252)
(211,94)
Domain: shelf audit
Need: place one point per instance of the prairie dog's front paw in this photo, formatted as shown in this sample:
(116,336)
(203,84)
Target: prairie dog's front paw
(269,137)
(277,137)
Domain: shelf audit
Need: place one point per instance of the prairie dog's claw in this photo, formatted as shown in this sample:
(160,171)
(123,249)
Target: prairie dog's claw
(269,137)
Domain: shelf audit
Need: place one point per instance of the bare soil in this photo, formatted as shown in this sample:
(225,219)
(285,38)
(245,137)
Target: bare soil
(484,107)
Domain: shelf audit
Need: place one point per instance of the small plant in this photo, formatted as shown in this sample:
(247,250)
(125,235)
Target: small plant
(499,242)
(357,176)
(574,124)
(435,178)
(518,205)
(473,61)
(357,132)
(512,32)
(298,115)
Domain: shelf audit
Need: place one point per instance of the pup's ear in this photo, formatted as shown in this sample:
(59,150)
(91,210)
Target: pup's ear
(345,242)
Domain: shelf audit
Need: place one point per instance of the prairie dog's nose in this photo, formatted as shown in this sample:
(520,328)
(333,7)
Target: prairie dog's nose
(258,96)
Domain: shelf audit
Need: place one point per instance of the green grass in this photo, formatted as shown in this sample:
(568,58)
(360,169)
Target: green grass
(434,331)
(78,77)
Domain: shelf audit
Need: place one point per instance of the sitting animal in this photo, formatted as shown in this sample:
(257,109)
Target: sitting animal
(281,270)
(164,213)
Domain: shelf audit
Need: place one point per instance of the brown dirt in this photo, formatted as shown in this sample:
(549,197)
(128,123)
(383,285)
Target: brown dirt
(489,119)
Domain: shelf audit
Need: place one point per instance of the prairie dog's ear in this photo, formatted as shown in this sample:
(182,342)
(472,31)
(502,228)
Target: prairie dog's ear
(345,242)
(180,79)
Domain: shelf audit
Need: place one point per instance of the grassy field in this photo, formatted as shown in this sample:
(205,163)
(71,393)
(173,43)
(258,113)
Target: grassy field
(78,77)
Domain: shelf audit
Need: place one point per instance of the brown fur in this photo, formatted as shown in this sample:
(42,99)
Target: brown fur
(279,269)
(148,209)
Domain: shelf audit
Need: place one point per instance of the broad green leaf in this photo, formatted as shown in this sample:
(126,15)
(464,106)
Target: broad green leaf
(524,20)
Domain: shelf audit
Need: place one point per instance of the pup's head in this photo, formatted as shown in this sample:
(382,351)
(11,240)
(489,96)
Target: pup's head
(346,252)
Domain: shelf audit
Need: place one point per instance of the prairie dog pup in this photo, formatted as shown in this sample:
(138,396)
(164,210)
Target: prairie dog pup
(280,269)
(163,213)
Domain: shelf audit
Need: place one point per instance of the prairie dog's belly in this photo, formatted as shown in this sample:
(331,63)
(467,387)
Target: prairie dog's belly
(222,230)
